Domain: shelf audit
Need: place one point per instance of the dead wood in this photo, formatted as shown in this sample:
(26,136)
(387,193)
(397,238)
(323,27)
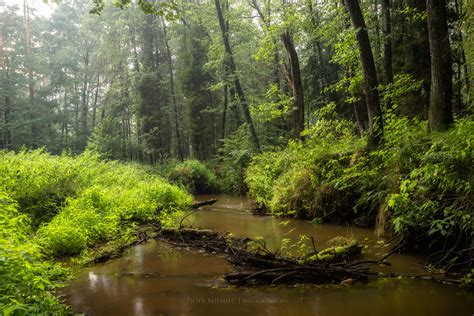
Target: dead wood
(261,266)
(203,203)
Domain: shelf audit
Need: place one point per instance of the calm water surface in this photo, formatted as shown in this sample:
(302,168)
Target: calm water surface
(157,279)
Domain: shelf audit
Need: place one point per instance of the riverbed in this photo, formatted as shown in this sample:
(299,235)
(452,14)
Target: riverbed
(158,279)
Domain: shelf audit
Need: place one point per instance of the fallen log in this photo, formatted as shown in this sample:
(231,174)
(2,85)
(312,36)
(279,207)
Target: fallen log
(261,266)
(203,203)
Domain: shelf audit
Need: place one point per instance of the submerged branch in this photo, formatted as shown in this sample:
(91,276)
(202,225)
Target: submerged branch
(261,266)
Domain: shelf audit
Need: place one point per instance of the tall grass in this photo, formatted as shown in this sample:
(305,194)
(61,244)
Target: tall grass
(54,206)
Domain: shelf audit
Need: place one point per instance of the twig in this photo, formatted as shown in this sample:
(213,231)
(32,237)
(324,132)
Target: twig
(187,215)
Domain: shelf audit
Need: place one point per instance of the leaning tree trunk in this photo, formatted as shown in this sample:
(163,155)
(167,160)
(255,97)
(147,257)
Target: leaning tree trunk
(233,73)
(440,112)
(294,79)
(370,74)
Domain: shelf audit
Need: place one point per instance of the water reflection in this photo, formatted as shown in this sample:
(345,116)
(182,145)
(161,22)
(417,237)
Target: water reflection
(157,279)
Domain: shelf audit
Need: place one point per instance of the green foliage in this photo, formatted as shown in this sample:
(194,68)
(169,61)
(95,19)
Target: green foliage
(78,203)
(277,105)
(435,197)
(468,280)
(424,179)
(26,280)
(297,179)
(195,176)
(236,151)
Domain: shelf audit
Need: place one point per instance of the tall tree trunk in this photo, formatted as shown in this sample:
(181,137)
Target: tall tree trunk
(370,74)
(294,79)
(94,105)
(31,87)
(6,134)
(377,37)
(85,103)
(387,44)
(315,20)
(224,112)
(414,47)
(233,72)
(235,109)
(173,94)
(26,21)
(440,112)
(462,62)
(64,118)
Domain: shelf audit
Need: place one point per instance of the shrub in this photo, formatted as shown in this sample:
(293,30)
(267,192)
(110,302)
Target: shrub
(297,179)
(117,196)
(434,199)
(26,280)
(195,176)
(236,152)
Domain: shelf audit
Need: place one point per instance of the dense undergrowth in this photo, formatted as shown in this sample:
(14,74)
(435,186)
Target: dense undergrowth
(54,206)
(193,175)
(417,185)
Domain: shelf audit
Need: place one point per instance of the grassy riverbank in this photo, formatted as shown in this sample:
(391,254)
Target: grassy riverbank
(56,206)
(417,186)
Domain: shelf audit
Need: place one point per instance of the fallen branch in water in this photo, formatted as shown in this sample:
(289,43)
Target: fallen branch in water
(196,206)
(261,266)
(203,203)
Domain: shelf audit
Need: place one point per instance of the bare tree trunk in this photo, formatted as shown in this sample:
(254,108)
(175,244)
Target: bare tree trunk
(96,97)
(31,87)
(6,134)
(462,62)
(440,112)
(233,72)
(370,74)
(294,80)
(85,105)
(173,94)
(387,30)
(224,112)
(26,20)
(315,19)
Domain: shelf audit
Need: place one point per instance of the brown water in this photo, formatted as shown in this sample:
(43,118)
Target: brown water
(157,279)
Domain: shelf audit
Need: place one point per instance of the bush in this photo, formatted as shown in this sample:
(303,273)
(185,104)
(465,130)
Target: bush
(26,280)
(297,179)
(195,176)
(435,198)
(236,152)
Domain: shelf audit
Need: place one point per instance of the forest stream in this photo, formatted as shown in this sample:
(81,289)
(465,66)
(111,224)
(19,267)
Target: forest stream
(156,278)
